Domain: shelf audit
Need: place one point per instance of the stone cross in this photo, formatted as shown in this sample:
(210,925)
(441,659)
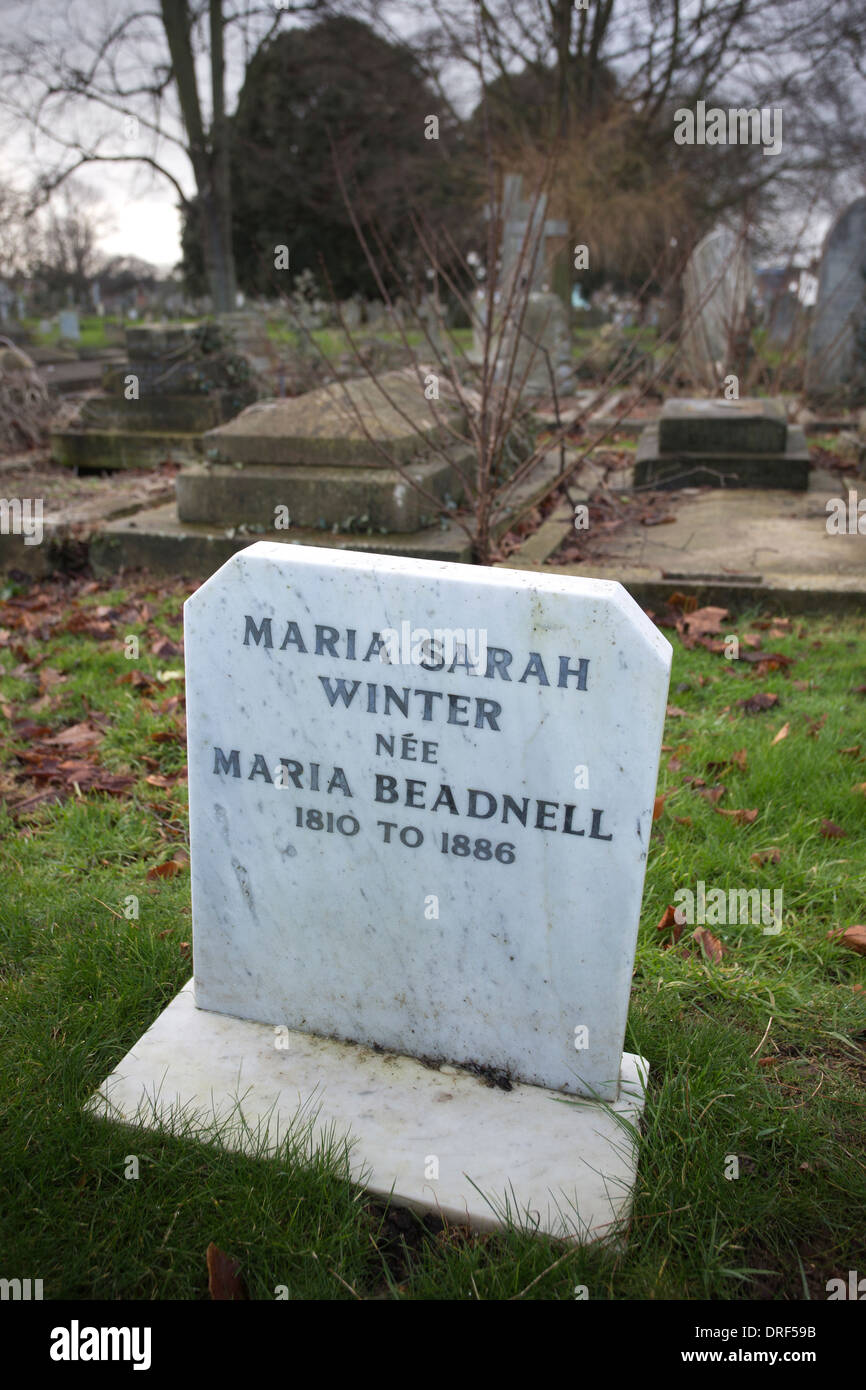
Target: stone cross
(525,227)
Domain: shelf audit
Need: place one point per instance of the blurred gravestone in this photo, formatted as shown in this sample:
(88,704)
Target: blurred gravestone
(180,380)
(350,314)
(785,320)
(69,326)
(836,361)
(531,331)
(716,288)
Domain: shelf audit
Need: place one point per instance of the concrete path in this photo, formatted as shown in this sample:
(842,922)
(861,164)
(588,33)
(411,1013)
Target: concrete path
(722,545)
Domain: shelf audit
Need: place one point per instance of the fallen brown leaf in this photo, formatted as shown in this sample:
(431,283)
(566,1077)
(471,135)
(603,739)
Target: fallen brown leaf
(77,737)
(700,622)
(156,780)
(855,939)
(852,937)
(773,661)
(766,856)
(710,945)
(669,923)
(783,733)
(223,1276)
(739,817)
(164,646)
(138,679)
(831,831)
(168,869)
(756,704)
(711,794)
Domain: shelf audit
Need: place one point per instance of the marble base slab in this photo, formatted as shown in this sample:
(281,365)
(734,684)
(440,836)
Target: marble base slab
(546,1162)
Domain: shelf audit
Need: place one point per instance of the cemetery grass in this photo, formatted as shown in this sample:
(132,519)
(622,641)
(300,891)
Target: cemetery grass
(759,1055)
(95,332)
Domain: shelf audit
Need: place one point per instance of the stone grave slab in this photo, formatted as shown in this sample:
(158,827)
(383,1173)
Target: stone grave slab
(571,1164)
(704,426)
(365,465)
(359,499)
(177,383)
(732,549)
(397,872)
(157,541)
(70,509)
(331,425)
(746,443)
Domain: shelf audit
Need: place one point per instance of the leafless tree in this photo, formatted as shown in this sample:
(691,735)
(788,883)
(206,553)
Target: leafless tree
(117,83)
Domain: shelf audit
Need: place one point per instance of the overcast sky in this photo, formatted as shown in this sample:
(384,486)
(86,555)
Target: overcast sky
(139,206)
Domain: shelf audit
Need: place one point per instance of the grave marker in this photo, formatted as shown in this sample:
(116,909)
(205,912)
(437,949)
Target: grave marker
(421,800)
(836,353)
(69,325)
(716,286)
(720,443)
(534,340)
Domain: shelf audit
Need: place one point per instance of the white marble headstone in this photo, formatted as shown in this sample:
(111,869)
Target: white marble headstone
(441,854)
